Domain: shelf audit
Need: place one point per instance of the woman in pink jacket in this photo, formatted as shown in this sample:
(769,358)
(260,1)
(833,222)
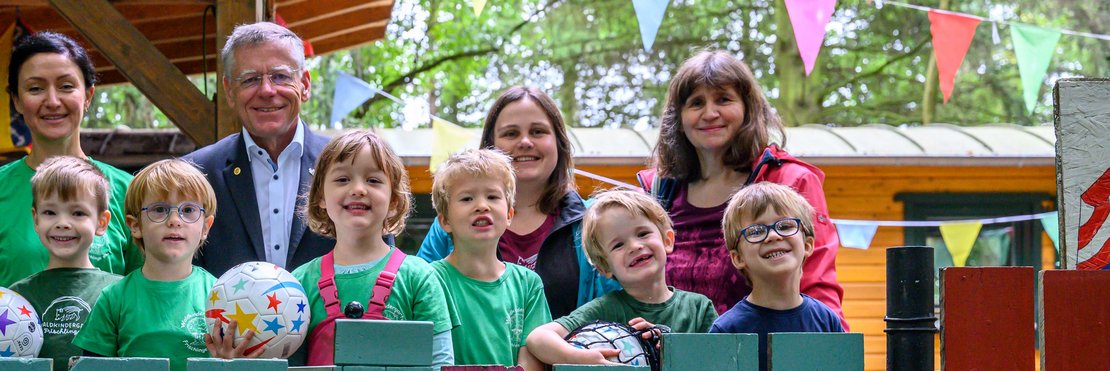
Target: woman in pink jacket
(715,138)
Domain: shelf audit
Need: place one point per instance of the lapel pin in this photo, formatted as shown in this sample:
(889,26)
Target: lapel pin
(312,171)
(236,171)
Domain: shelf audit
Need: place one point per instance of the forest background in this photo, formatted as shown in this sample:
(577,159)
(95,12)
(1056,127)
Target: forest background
(876,65)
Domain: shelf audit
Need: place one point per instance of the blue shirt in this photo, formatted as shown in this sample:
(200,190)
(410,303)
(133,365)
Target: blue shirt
(748,318)
(275,189)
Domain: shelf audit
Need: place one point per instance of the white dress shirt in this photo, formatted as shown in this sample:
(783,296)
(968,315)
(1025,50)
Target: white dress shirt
(275,188)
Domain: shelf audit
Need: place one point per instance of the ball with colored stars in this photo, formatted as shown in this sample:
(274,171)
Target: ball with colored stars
(263,298)
(20,329)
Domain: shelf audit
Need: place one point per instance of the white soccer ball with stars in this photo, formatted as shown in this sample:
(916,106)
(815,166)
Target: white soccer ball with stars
(264,298)
(20,329)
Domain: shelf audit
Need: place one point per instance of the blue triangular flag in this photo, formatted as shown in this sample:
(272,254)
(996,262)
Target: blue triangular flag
(856,236)
(650,14)
(1051,224)
(350,92)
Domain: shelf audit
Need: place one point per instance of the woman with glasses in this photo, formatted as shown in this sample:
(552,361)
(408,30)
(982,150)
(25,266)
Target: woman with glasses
(51,81)
(715,138)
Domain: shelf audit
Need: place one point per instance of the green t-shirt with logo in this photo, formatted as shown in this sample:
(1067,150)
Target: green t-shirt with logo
(684,312)
(63,298)
(137,317)
(22,253)
(416,294)
(494,317)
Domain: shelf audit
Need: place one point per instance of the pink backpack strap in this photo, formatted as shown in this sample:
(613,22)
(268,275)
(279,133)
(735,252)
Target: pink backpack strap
(327,285)
(384,285)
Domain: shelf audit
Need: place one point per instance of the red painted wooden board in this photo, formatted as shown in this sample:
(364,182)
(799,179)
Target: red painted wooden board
(986,319)
(1075,320)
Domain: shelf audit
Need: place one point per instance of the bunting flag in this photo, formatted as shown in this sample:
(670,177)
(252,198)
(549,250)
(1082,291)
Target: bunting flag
(449,138)
(959,238)
(308,52)
(1034,47)
(14,133)
(952,35)
(478,6)
(809,18)
(856,236)
(650,15)
(1051,224)
(350,92)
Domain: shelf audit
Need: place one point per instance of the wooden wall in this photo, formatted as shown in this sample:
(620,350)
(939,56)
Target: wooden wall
(867,192)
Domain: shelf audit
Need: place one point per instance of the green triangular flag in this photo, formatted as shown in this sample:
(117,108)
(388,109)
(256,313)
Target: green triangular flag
(1034,47)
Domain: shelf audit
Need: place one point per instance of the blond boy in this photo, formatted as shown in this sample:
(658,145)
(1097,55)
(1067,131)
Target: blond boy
(769,233)
(70,208)
(497,304)
(158,311)
(627,236)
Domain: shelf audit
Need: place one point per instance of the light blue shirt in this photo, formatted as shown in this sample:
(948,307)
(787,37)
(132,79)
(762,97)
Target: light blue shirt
(275,188)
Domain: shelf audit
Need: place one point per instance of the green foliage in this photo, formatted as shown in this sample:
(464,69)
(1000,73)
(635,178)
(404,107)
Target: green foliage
(441,59)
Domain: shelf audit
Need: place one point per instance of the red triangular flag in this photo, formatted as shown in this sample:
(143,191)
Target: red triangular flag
(952,35)
(308,52)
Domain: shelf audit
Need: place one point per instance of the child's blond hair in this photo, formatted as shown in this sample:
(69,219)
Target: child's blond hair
(635,203)
(343,148)
(66,177)
(164,178)
(470,164)
(753,200)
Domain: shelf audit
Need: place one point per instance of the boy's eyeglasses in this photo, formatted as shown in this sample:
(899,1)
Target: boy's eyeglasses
(159,212)
(283,76)
(785,227)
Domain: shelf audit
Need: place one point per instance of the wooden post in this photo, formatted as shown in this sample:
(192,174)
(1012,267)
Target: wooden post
(229,13)
(986,318)
(142,64)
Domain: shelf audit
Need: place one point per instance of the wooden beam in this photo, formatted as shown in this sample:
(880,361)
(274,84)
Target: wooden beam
(143,65)
(228,14)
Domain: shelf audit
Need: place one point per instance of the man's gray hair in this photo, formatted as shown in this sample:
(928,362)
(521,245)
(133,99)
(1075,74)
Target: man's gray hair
(260,33)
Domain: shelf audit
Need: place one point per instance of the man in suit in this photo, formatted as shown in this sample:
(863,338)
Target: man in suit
(259,173)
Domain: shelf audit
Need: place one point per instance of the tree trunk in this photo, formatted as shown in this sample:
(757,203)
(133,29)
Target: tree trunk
(795,103)
(929,97)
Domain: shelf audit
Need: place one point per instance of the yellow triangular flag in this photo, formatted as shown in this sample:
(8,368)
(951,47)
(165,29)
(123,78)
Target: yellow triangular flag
(478,5)
(449,138)
(5,113)
(960,237)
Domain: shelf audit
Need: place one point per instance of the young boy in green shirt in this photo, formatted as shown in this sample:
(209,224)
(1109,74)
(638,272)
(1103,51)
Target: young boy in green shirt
(497,304)
(158,310)
(69,208)
(627,236)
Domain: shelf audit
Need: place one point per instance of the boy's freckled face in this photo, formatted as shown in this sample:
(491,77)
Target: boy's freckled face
(67,228)
(357,193)
(775,256)
(636,248)
(173,240)
(477,209)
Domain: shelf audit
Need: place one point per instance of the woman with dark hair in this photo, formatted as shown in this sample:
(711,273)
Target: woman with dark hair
(50,80)
(716,137)
(545,232)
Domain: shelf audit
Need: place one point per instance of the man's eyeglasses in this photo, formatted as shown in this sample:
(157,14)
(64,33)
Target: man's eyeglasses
(159,212)
(282,76)
(757,233)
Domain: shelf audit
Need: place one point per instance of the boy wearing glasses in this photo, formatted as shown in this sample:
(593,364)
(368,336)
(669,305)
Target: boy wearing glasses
(769,233)
(70,209)
(158,311)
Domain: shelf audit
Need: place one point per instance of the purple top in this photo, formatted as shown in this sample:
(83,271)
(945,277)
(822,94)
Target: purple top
(523,249)
(700,262)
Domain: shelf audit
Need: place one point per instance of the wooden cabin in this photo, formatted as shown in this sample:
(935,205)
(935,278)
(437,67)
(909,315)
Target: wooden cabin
(873,172)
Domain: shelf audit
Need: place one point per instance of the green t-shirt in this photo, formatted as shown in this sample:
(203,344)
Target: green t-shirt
(137,317)
(63,298)
(495,317)
(21,252)
(684,312)
(416,294)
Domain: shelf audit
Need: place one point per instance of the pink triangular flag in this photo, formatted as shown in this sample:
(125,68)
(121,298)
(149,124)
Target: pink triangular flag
(952,35)
(809,18)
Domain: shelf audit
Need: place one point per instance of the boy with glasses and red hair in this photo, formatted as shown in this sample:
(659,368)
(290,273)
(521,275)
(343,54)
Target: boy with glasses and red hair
(768,230)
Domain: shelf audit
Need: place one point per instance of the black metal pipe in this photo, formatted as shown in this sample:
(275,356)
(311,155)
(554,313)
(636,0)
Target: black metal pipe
(911,323)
